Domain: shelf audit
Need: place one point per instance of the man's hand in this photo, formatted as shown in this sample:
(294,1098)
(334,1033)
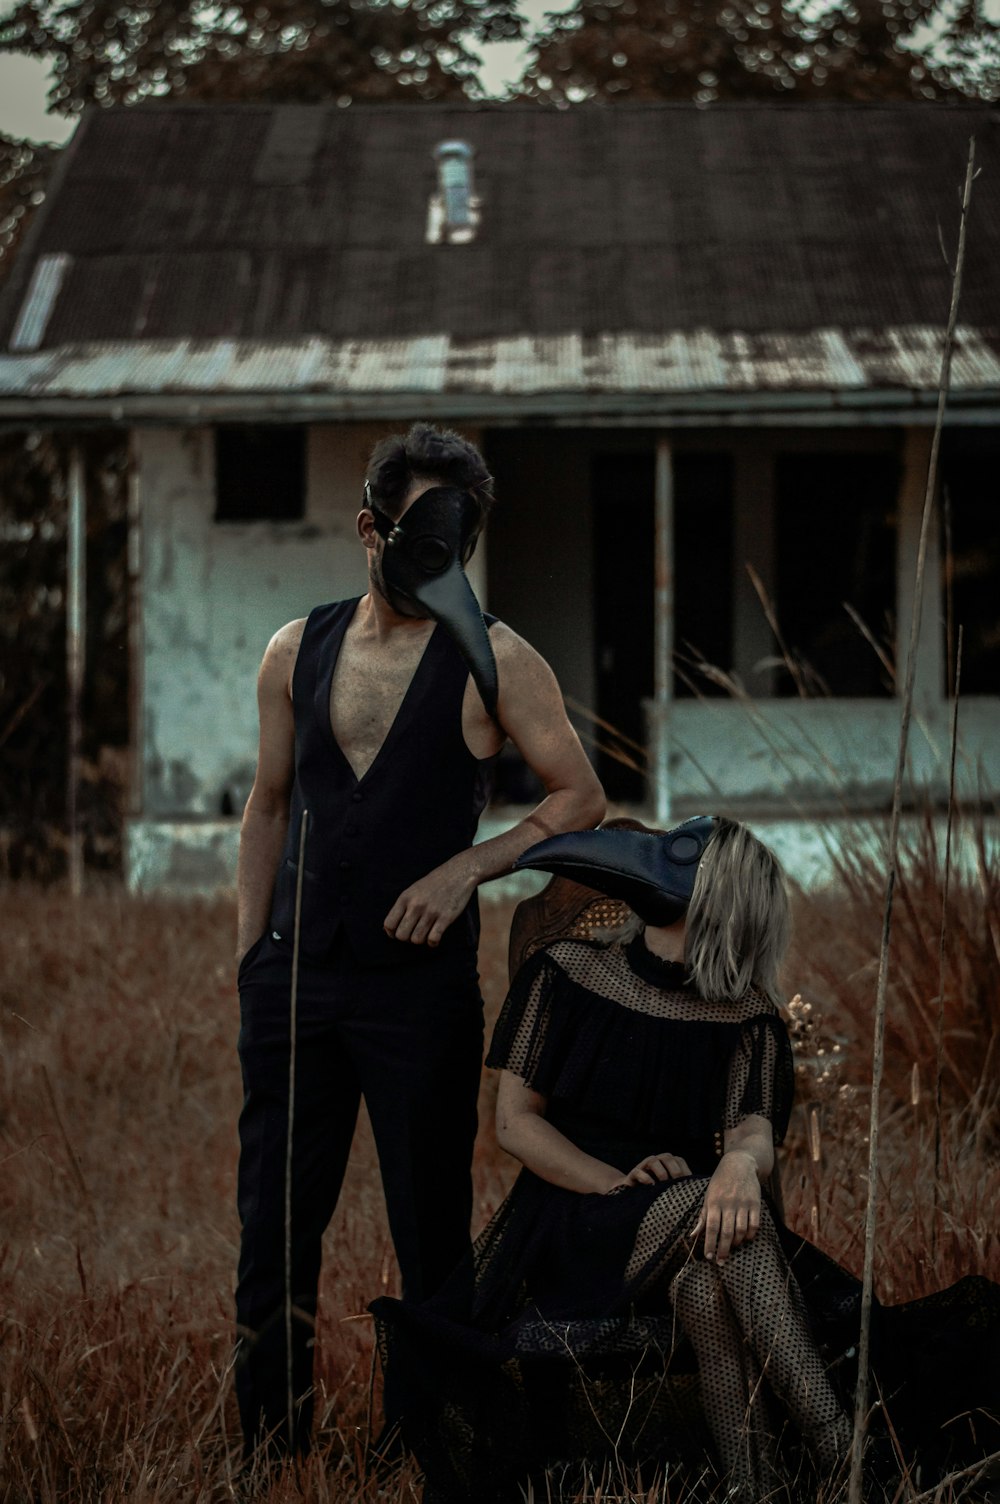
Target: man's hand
(657,1167)
(534,717)
(730,1214)
(423,912)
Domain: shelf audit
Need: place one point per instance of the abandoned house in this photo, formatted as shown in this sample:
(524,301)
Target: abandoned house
(700,347)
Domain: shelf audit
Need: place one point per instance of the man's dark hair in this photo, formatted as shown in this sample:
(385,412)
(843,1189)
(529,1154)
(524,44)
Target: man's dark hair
(428,453)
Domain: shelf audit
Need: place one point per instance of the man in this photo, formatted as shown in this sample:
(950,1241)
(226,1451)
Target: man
(378,721)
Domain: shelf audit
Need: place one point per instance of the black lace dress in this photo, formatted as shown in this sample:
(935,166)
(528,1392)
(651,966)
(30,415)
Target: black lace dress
(589,1325)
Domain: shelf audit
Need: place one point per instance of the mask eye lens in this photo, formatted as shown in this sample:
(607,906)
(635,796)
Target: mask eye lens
(431,554)
(684,848)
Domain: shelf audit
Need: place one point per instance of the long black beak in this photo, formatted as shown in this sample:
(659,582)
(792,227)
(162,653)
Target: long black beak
(653,873)
(448,598)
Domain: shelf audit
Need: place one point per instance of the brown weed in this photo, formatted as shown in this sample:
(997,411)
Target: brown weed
(120,1093)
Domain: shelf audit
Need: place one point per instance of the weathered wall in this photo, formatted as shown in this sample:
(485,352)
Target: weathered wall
(804,756)
(212,596)
(188,859)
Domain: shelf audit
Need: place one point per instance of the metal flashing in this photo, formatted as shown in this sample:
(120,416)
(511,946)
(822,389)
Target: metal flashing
(39,301)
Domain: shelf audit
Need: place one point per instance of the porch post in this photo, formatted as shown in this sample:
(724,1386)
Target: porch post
(136,667)
(929,681)
(663,618)
(76,653)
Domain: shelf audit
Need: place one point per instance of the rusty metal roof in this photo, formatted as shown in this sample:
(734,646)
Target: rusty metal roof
(864,370)
(632,249)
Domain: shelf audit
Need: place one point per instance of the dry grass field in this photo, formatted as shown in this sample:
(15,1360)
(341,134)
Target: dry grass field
(118,1234)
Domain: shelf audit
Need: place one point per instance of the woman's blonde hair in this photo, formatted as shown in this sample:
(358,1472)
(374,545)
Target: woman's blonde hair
(738,920)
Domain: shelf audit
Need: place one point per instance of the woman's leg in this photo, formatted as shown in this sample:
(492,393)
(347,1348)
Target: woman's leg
(746,1321)
(729,1380)
(767,1307)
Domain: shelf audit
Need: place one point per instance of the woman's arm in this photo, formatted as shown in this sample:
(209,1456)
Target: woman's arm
(730,1214)
(523,1131)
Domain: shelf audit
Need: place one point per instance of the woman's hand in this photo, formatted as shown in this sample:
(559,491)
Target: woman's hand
(730,1214)
(657,1167)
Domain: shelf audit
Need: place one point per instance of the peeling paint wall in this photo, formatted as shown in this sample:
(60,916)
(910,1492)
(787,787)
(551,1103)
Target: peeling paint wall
(214,593)
(801,756)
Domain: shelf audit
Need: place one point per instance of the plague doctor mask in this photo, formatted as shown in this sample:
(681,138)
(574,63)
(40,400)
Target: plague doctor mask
(652,872)
(423,573)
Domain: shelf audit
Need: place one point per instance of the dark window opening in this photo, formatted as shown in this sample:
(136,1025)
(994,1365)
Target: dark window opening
(835,539)
(970,474)
(260,472)
(623,489)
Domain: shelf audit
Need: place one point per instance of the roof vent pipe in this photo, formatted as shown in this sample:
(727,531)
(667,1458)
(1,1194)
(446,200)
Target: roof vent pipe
(454,209)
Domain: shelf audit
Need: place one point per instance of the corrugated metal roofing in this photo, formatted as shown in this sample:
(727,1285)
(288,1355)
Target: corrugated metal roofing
(353,375)
(633,247)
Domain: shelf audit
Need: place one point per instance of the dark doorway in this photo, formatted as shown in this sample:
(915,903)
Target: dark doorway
(836,549)
(970,464)
(622,487)
(703,571)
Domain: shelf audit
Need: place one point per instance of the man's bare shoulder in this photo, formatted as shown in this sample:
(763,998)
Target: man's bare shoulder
(528,687)
(279,657)
(513,651)
(286,639)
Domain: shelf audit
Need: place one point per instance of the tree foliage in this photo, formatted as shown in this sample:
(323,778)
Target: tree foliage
(706,50)
(109,52)
(24,170)
(33,520)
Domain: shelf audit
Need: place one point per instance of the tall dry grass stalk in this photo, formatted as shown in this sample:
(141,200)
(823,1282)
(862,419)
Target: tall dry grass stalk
(943,933)
(878,1032)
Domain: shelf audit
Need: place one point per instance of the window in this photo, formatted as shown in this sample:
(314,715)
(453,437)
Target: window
(260,472)
(835,540)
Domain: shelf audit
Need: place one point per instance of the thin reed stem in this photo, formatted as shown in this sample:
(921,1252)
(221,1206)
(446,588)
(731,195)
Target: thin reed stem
(878,1043)
(942,941)
(293,1029)
(71,1159)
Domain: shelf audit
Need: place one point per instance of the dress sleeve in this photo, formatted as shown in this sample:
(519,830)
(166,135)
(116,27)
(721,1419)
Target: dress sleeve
(524,1038)
(761,1080)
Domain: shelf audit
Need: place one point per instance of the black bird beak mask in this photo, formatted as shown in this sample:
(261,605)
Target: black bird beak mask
(423,572)
(653,873)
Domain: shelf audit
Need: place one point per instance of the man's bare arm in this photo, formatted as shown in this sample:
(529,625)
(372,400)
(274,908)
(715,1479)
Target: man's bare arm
(265,818)
(532,713)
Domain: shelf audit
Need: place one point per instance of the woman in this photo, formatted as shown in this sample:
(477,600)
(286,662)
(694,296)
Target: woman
(645,1083)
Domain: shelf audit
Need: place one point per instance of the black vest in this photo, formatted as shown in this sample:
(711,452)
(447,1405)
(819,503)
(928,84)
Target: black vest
(367,839)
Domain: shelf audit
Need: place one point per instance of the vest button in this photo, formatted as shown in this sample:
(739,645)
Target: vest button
(345,866)
(350,830)
(357,796)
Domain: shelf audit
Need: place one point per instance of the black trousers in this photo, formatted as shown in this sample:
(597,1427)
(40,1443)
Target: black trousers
(409,1040)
